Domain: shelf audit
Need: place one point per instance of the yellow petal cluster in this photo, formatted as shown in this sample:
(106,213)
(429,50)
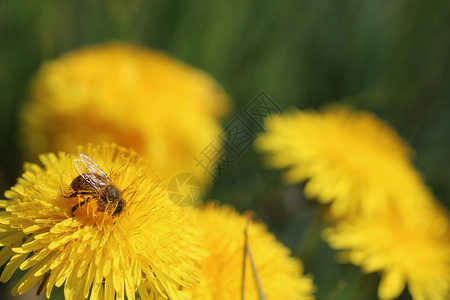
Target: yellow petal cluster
(350,159)
(281,276)
(388,220)
(406,249)
(150,248)
(142,99)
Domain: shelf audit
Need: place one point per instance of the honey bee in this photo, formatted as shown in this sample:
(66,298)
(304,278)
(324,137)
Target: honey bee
(94,182)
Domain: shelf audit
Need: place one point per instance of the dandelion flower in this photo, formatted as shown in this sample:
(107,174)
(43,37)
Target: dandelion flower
(165,110)
(149,248)
(405,249)
(281,276)
(352,160)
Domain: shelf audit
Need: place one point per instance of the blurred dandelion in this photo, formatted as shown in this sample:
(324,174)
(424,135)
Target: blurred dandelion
(352,160)
(149,248)
(281,276)
(165,110)
(388,220)
(406,249)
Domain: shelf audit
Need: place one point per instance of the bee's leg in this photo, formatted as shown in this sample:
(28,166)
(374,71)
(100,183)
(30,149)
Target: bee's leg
(101,207)
(75,207)
(102,204)
(78,193)
(71,195)
(119,207)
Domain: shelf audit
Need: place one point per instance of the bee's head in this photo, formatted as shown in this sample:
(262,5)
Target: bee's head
(119,208)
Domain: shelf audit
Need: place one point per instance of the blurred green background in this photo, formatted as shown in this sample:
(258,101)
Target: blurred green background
(388,57)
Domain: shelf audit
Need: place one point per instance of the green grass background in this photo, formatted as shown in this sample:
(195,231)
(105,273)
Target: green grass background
(388,57)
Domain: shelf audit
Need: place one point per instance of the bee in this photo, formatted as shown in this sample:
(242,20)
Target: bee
(94,182)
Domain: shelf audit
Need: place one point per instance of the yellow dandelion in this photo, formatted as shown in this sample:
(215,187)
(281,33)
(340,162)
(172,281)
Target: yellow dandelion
(281,276)
(165,110)
(57,227)
(352,160)
(406,249)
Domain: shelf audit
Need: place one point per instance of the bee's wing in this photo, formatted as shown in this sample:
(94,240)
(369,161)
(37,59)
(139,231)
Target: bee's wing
(91,172)
(92,166)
